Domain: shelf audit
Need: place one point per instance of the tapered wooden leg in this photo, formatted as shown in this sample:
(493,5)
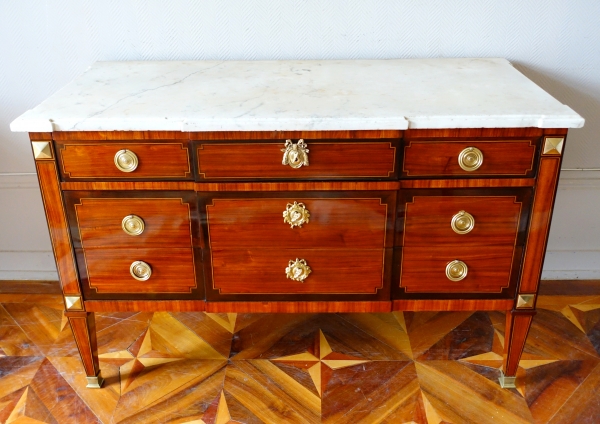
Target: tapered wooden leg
(517,328)
(83,325)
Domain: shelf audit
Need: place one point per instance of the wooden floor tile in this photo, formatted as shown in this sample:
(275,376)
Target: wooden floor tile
(583,407)
(460,395)
(411,367)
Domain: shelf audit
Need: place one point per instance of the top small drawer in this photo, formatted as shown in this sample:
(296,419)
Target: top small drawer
(466,158)
(125,160)
(297,159)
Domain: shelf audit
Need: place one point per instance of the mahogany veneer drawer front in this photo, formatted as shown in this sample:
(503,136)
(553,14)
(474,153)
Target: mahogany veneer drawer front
(327,159)
(108,219)
(341,236)
(162,271)
(125,160)
(302,220)
(263,271)
(459,269)
(470,217)
(469,158)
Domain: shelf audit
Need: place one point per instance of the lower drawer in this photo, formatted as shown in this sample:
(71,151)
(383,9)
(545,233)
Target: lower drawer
(272,271)
(458,269)
(109,273)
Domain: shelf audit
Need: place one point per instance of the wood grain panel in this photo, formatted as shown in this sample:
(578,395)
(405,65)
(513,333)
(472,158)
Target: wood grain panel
(235,307)
(262,271)
(35,136)
(83,325)
(439,158)
(282,135)
(423,268)
(539,226)
(58,226)
(107,270)
(336,159)
(166,222)
(482,132)
(297,307)
(226,187)
(167,160)
(428,218)
(515,334)
(452,305)
(127,185)
(474,183)
(334,223)
(94,136)
(145,305)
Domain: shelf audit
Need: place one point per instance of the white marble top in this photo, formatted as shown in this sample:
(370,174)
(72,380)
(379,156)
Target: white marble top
(299,95)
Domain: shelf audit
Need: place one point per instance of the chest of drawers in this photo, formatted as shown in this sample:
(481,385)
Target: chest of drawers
(199,194)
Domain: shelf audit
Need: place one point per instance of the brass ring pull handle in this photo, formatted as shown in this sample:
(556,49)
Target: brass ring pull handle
(133,225)
(470,159)
(462,223)
(126,160)
(140,270)
(295,155)
(456,270)
(296,214)
(297,270)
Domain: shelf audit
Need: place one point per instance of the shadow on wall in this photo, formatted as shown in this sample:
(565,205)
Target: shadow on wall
(570,88)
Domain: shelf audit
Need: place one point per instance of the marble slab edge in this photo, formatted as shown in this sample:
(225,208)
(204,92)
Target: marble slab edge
(320,124)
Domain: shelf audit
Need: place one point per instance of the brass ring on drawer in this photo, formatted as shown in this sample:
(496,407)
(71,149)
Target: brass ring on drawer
(295,155)
(296,214)
(462,223)
(140,270)
(133,225)
(126,160)
(456,270)
(297,270)
(470,159)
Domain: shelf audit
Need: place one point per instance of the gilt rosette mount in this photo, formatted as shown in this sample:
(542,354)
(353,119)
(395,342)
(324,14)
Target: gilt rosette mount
(296,214)
(295,155)
(297,270)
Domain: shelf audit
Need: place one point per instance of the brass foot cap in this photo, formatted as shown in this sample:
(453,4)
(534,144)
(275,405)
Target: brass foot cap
(95,382)
(507,382)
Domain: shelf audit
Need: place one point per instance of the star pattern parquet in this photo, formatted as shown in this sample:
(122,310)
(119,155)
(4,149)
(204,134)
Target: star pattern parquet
(411,367)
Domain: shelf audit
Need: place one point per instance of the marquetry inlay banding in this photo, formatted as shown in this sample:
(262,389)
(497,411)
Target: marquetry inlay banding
(525,301)
(73,303)
(553,145)
(42,150)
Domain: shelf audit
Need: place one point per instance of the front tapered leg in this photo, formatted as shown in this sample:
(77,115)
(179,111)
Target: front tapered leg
(84,331)
(517,328)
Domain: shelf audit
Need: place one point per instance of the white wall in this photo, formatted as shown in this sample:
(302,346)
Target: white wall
(44,44)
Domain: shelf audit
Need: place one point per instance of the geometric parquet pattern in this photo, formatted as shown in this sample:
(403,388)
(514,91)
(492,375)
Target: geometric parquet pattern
(425,367)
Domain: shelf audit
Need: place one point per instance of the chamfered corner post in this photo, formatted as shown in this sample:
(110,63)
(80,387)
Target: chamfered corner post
(84,330)
(519,319)
(518,324)
(82,322)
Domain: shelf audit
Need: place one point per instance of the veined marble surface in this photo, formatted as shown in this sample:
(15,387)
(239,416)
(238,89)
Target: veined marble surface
(298,95)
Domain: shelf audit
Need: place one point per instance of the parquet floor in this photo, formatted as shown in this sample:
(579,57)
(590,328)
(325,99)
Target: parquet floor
(335,368)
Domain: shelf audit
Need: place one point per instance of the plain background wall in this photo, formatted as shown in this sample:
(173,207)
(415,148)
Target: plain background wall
(45,44)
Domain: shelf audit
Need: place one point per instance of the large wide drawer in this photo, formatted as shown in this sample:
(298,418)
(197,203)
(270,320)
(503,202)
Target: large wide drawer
(435,269)
(302,220)
(459,218)
(327,159)
(125,160)
(109,271)
(464,158)
(264,271)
